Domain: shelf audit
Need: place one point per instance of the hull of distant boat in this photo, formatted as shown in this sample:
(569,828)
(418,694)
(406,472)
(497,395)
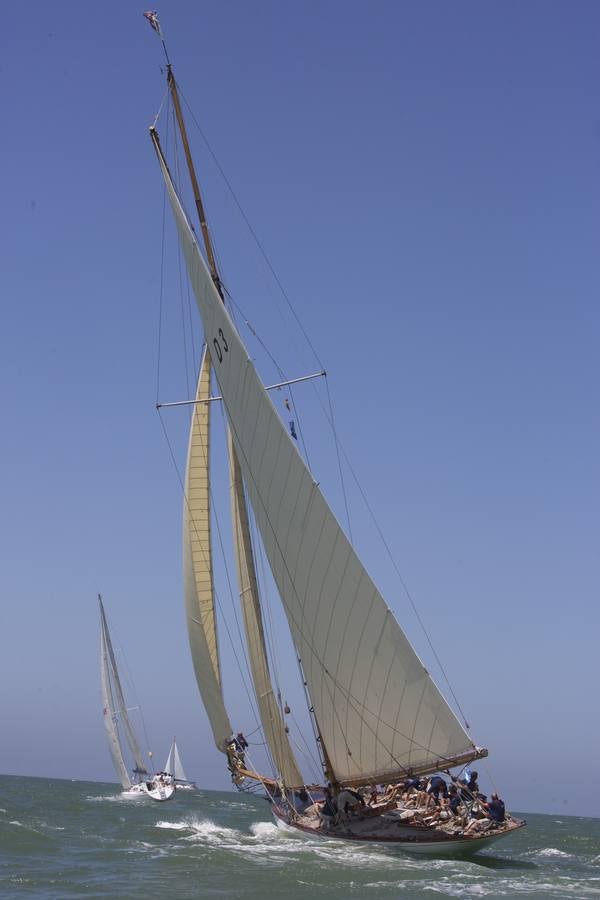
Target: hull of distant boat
(409,842)
(159,792)
(186,786)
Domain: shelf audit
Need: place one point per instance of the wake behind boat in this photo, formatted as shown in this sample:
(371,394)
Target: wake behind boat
(377,718)
(115,713)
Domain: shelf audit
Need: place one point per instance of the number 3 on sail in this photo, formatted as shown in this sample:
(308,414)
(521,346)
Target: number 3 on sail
(386,736)
(221,346)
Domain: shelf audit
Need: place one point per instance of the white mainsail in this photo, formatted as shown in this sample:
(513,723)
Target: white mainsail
(376,707)
(111,688)
(270,715)
(174,765)
(197,565)
(108,707)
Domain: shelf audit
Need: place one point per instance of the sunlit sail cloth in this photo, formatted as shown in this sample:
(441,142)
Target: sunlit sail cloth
(117,693)
(108,707)
(197,565)
(377,709)
(270,714)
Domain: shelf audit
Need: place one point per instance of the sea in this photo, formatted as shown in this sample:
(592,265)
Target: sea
(71,839)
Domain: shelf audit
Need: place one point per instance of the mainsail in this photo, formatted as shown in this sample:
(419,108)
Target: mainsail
(270,715)
(111,689)
(173,764)
(108,708)
(378,711)
(197,565)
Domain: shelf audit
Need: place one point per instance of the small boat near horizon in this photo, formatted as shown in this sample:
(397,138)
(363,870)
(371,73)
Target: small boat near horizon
(174,769)
(377,719)
(115,713)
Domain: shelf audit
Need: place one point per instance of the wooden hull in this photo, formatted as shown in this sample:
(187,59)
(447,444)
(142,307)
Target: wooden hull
(404,838)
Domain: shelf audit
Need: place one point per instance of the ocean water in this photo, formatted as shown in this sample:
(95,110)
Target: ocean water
(64,839)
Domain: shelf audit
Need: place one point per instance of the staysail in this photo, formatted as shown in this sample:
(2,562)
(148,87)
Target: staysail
(108,706)
(117,692)
(197,565)
(378,711)
(270,715)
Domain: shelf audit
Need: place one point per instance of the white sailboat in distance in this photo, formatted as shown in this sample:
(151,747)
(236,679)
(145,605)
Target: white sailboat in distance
(174,768)
(386,738)
(114,712)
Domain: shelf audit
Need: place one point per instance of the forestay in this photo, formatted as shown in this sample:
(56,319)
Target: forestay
(270,715)
(197,565)
(377,709)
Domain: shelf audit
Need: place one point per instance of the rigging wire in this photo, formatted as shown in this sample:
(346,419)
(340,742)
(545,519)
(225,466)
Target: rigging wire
(162,269)
(179,262)
(252,231)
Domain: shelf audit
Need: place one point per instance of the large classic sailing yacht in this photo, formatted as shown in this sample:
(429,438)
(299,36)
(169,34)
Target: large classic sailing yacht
(377,715)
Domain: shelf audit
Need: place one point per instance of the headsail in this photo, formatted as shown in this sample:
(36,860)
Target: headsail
(270,715)
(197,565)
(378,711)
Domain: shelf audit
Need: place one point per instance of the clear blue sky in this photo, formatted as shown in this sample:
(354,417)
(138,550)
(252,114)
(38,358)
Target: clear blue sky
(424,178)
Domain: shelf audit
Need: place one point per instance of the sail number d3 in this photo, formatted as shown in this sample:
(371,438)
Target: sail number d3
(221,346)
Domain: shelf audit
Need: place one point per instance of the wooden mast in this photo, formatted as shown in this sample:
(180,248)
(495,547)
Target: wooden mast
(195,186)
(172,84)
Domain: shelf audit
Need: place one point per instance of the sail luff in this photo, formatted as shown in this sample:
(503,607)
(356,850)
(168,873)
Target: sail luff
(108,709)
(377,707)
(197,565)
(140,765)
(270,714)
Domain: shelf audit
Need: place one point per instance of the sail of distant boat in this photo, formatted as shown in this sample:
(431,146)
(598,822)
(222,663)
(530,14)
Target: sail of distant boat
(116,718)
(174,768)
(114,708)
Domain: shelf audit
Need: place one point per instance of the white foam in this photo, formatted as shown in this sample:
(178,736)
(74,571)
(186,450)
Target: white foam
(176,826)
(553,852)
(51,827)
(265,831)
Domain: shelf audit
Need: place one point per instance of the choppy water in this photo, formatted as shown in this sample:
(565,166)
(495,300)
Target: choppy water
(63,839)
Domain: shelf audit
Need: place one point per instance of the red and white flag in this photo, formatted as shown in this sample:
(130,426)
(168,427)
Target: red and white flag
(153,19)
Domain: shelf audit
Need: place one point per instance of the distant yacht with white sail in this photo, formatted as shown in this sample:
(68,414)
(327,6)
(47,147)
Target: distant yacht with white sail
(174,768)
(115,714)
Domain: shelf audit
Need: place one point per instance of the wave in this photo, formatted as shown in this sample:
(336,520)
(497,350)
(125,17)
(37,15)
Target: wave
(553,852)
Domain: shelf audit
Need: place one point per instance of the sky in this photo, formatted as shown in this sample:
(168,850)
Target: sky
(424,181)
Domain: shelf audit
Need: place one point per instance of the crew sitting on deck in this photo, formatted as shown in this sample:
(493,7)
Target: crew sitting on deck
(470,788)
(435,787)
(454,800)
(328,810)
(495,808)
(349,801)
